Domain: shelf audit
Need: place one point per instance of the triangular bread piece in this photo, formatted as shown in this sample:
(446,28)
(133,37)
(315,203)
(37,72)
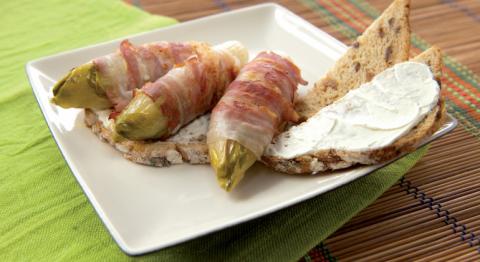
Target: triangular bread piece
(384,43)
(337,159)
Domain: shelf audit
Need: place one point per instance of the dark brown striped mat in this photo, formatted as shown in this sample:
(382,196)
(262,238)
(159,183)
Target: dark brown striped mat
(433,213)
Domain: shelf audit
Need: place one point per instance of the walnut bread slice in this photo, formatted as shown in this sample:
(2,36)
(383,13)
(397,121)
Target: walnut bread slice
(336,159)
(187,146)
(384,43)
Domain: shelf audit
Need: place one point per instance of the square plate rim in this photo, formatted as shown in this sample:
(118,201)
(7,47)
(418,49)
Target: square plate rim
(118,238)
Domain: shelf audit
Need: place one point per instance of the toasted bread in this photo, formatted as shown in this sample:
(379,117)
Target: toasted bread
(384,43)
(337,159)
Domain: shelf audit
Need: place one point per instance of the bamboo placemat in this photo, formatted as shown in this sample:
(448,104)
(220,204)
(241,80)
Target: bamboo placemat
(433,213)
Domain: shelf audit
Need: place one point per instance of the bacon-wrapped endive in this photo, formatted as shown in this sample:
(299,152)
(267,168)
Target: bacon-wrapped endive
(160,108)
(255,107)
(108,81)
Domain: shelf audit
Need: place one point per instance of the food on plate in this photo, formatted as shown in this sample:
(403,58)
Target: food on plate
(374,123)
(161,108)
(255,107)
(371,107)
(108,81)
(384,43)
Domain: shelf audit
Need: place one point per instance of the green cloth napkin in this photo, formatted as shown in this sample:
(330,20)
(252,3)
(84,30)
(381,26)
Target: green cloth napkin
(44,215)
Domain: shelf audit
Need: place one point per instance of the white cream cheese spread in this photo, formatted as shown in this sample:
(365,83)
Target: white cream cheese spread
(370,117)
(194,131)
(103,117)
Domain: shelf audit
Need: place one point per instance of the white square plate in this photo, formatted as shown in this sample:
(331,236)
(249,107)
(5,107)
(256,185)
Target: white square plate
(147,208)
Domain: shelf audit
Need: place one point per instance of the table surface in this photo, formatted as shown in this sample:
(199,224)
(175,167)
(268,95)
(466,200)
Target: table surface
(434,211)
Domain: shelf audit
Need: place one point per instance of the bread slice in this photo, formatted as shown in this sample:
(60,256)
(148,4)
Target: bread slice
(336,159)
(187,146)
(384,43)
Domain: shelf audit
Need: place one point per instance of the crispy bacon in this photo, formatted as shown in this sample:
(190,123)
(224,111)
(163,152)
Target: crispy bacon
(258,103)
(133,66)
(191,90)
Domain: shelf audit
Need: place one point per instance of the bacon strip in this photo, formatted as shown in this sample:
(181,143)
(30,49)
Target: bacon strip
(193,89)
(258,103)
(133,66)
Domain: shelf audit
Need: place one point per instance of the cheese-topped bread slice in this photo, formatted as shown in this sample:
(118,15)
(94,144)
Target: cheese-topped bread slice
(187,146)
(384,43)
(376,122)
